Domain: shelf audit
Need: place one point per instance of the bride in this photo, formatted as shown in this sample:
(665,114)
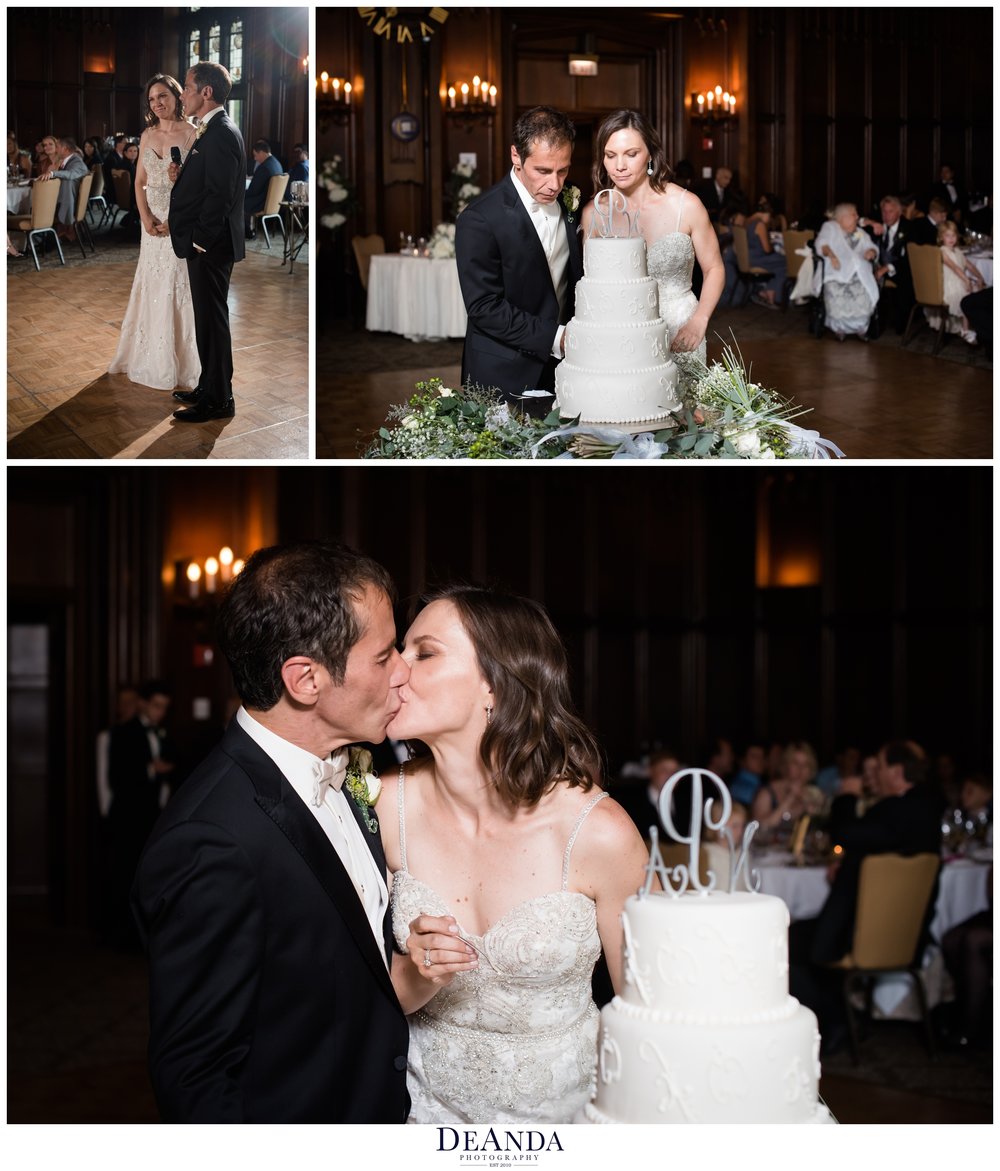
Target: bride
(629,156)
(510,867)
(157,346)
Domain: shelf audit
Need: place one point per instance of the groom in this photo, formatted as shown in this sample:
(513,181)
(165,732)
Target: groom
(519,259)
(206,229)
(261,895)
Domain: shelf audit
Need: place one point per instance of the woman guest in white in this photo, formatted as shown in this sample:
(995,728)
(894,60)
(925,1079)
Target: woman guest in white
(510,867)
(850,293)
(157,346)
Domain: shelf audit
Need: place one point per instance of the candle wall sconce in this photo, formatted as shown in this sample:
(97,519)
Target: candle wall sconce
(471,102)
(199,583)
(336,100)
(714,108)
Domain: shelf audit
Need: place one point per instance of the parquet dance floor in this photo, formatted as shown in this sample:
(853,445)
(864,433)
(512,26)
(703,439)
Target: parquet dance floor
(62,332)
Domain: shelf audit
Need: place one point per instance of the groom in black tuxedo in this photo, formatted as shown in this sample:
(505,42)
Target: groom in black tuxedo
(519,259)
(261,895)
(206,230)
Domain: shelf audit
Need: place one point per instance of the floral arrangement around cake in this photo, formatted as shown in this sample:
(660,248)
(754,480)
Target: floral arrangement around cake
(725,415)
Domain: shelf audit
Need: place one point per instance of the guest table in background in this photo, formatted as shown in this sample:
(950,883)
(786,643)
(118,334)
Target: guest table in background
(19,199)
(418,298)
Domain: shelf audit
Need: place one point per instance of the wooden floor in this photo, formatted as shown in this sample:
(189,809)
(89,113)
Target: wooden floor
(62,332)
(874,401)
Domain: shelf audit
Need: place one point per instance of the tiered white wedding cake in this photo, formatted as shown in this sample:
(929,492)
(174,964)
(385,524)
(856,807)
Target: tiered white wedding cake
(617,367)
(705,1029)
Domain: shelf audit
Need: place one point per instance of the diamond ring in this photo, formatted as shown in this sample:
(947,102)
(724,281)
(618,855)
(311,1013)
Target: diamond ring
(427,957)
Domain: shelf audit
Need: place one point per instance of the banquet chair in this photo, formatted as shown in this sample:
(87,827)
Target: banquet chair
(123,196)
(97,193)
(676,853)
(893,896)
(80,220)
(44,197)
(793,262)
(927,270)
(272,205)
(747,276)
(365,247)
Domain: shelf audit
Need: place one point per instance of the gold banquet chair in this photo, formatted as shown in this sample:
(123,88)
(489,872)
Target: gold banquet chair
(272,205)
(677,853)
(44,197)
(97,192)
(793,262)
(748,277)
(365,247)
(927,270)
(123,196)
(80,221)
(893,894)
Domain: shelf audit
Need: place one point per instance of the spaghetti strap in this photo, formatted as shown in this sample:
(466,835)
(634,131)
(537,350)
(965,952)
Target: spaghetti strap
(402,819)
(680,208)
(572,837)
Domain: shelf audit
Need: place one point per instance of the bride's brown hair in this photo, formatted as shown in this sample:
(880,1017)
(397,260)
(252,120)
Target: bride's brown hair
(630,120)
(171,84)
(534,740)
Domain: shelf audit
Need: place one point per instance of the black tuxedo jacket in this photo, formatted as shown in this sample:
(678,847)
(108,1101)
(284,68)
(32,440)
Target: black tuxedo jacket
(206,203)
(896,256)
(507,288)
(910,824)
(708,195)
(269,998)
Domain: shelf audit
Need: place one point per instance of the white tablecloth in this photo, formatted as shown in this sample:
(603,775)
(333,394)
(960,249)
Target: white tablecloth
(19,200)
(421,299)
(984,265)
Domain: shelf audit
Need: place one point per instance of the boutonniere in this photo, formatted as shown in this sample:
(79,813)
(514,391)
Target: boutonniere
(363,784)
(200,131)
(571,200)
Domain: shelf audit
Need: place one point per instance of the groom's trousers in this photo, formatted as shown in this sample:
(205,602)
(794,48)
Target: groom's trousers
(209,274)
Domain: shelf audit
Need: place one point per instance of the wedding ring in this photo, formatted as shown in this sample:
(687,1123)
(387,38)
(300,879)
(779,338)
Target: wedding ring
(427,957)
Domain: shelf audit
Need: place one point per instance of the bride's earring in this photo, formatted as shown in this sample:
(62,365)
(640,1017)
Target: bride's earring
(489,713)
(649,167)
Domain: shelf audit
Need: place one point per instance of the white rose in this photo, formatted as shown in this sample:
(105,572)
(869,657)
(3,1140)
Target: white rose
(337,193)
(747,443)
(334,220)
(374,787)
(445,392)
(411,422)
(464,170)
(468,191)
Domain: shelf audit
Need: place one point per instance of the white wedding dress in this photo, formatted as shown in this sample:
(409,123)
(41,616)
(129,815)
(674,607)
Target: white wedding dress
(157,346)
(670,261)
(514,1041)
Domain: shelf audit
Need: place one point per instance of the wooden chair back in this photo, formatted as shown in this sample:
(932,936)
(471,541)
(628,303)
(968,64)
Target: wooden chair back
(97,187)
(927,269)
(123,191)
(83,197)
(893,893)
(741,248)
(275,194)
(675,854)
(365,247)
(793,242)
(44,198)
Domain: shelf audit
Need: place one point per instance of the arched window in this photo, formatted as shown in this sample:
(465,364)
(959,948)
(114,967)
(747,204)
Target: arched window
(216,34)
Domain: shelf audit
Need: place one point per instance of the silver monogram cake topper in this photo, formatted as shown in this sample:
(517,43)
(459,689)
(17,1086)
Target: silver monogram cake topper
(603,219)
(679,878)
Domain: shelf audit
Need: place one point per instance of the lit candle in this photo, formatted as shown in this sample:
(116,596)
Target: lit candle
(486,90)
(211,575)
(732,103)
(226,563)
(347,92)
(193,576)
(725,101)
(325,79)
(711,96)
(475,87)
(451,96)
(465,93)
(718,92)
(701,103)
(493,95)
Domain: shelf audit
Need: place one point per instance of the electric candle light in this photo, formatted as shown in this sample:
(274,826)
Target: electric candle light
(451,97)
(701,103)
(226,562)
(711,98)
(475,86)
(238,566)
(347,92)
(211,572)
(193,576)
(324,78)
(465,93)
(493,95)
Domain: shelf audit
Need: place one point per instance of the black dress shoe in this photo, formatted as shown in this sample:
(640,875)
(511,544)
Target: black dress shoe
(189,396)
(202,412)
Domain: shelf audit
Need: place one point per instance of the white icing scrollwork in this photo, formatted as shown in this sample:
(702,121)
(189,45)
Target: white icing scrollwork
(609,1060)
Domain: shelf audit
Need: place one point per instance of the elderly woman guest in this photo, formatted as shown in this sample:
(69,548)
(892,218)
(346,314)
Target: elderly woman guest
(510,867)
(850,292)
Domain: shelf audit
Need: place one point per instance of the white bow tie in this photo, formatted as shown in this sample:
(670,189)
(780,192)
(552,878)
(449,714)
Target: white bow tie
(547,208)
(329,774)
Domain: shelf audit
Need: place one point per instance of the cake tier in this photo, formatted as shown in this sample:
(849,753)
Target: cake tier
(644,395)
(751,1071)
(618,302)
(614,258)
(705,958)
(616,347)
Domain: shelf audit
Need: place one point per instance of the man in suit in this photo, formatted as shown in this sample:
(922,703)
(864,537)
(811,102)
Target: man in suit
(261,895)
(519,259)
(906,819)
(712,192)
(71,170)
(951,193)
(206,230)
(892,270)
(924,229)
(300,164)
(267,166)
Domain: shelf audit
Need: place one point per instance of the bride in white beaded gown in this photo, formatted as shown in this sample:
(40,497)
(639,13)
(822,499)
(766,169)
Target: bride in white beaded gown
(157,345)
(510,867)
(629,156)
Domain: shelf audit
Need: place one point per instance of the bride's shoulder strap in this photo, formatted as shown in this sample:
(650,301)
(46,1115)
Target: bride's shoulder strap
(576,829)
(680,208)
(402,818)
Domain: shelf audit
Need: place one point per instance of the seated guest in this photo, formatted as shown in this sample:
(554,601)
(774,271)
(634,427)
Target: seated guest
(640,801)
(750,774)
(16,157)
(905,820)
(892,269)
(46,156)
(850,293)
(93,152)
(712,192)
(717,848)
(115,161)
(968,955)
(71,169)
(978,311)
(845,764)
(924,229)
(781,802)
(736,210)
(977,795)
(961,277)
(266,167)
(765,220)
(951,193)
(300,164)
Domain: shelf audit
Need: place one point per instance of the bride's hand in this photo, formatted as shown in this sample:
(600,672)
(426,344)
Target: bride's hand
(690,336)
(436,950)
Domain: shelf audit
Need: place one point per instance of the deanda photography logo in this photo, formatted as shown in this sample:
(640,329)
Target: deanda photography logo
(494,1147)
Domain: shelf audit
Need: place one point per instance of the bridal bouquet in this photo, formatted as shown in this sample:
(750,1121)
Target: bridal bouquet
(338,191)
(725,416)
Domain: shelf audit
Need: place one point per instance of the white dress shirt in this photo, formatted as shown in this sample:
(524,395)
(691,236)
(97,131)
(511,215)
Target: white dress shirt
(334,816)
(546,218)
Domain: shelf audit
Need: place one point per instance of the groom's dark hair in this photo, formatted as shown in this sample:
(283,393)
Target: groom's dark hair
(213,74)
(542,124)
(292,600)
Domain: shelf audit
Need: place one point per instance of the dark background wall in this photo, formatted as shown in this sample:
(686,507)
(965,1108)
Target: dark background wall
(832,103)
(83,71)
(835,604)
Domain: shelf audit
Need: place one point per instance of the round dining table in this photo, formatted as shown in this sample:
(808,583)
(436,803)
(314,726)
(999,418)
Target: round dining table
(416,297)
(19,199)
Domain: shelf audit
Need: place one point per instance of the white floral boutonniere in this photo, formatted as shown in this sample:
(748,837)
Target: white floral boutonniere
(202,127)
(363,784)
(571,200)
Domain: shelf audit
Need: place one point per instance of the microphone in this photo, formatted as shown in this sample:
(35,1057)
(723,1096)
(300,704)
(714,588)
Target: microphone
(175,155)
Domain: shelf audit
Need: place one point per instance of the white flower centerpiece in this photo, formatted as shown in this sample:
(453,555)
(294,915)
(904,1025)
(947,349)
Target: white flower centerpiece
(338,191)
